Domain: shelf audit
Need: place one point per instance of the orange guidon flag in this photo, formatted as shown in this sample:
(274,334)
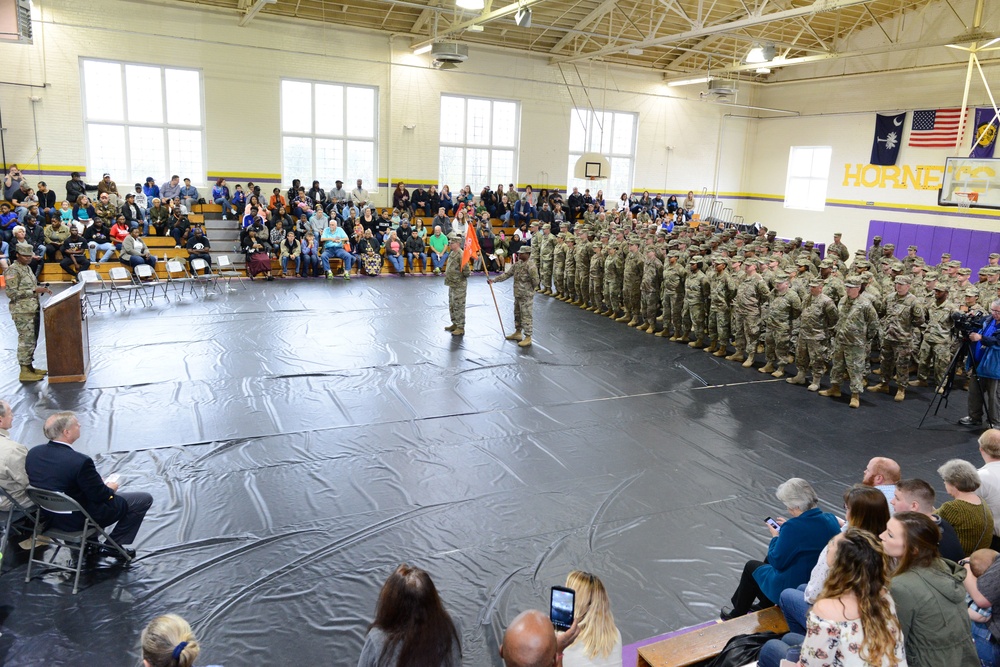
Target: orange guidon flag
(471,248)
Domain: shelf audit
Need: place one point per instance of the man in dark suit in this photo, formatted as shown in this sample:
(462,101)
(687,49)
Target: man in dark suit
(56,466)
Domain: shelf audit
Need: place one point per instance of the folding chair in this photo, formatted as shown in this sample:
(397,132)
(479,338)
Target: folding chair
(16,512)
(228,271)
(146,276)
(122,282)
(79,540)
(199,265)
(94,285)
(178,275)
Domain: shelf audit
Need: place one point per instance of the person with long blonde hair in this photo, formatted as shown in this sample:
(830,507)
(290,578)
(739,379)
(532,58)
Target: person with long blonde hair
(599,643)
(169,642)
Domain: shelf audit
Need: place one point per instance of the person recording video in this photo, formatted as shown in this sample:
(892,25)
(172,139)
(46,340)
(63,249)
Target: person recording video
(985,371)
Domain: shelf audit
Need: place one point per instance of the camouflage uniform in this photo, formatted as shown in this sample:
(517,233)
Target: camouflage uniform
(816,324)
(24,310)
(672,295)
(696,295)
(570,269)
(546,250)
(721,289)
(938,345)
(782,311)
(525,275)
(857,325)
(751,295)
(597,278)
(614,267)
(903,315)
(455,277)
(631,285)
(559,266)
(583,254)
(652,270)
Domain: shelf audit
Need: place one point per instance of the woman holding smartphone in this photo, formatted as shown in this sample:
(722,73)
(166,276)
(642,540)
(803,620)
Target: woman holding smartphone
(599,643)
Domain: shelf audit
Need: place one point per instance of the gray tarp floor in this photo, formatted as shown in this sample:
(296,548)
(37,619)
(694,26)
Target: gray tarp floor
(301,439)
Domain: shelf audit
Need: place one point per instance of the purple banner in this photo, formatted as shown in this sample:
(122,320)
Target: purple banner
(984,137)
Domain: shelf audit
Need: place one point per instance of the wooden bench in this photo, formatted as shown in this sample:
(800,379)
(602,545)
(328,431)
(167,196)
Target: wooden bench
(693,647)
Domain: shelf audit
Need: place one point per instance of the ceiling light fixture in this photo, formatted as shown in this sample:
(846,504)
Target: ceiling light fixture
(763,70)
(688,82)
(422,50)
(471,5)
(635,52)
(475,27)
(759,53)
(523,17)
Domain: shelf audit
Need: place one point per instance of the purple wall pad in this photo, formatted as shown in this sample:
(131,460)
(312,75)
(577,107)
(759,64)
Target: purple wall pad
(971,248)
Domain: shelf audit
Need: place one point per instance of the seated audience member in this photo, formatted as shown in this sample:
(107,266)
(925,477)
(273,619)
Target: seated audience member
(33,235)
(411,625)
(98,238)
(74,252)
(882,473)
(159,217)
(929,594)
(46,201)
(179,226)
(967,513)
(989,477)
(310,255)
(439,249)
(198,247)
(277,200)
(239,201)
(318,222)
(317,195)
(102,209)
(523,212)
(334,240)
(370,260)
(169,642)
(302,205)
(222,197)
(286,219)
(394,253)
(383,224)
(403,229)
(134,215)
(599,643)
(531,641)
(277,234)
(791,554)
(119,232)
(443,221)
(446,201)
(865,508)
(980,606)
(57,467)
(56,234)
(13,478)
(189,195)
(290,248)
(421,229)
(134,252)
(257,250)
(415,250)
(400,197)
(854,618)
(420,200)
(916,495)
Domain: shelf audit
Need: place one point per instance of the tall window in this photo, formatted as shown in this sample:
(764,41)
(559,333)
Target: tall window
(808,171)
(478,142)
(610,133)
(143,120)
(328,132)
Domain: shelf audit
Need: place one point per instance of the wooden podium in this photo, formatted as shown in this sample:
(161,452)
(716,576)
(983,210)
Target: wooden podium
(67,342)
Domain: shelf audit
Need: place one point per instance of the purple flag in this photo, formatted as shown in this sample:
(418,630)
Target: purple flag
(984,138)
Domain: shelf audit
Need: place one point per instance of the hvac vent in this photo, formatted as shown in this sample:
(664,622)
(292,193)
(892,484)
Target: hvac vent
(15,21)
(450,52)
(721,87)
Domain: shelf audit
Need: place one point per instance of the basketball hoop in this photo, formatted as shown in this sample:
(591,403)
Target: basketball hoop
(966,199)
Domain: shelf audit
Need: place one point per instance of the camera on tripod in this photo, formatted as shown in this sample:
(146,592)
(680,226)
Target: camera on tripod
(962,324)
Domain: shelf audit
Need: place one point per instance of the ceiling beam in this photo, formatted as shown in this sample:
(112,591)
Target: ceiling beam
(254,10)
(817,6)
(424,17)
(486,17)
(597,13)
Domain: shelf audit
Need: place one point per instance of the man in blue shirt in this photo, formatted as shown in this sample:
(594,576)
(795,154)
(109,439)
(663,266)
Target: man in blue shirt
(986,379)
(333,240)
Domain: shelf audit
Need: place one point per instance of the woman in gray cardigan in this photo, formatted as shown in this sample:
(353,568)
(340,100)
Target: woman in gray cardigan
(134,252)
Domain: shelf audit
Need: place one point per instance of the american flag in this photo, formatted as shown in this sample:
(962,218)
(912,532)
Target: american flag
(935,128)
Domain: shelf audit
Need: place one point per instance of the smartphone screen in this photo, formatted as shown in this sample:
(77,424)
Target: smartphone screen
(772,523)
(561,607)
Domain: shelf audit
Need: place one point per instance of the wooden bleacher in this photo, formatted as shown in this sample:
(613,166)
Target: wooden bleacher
(696,646)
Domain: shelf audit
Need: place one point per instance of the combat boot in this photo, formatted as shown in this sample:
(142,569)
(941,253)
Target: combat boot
(593,309)
(517,335)
(697,343)
(800,378)
(880,388)
(766,368)
(633,322)
(748,363)
(526,342)
(450,327)
(623,318)
(779,372)
(721,352)
(584,306)
(713,347)
(855,400)
(39,371)
(760,349)
(642,327)
(29,375)
(651,329)
(458,332)
(736,356)
(663,333)
(814,386)
(918,383)
(833,391)
(900,395)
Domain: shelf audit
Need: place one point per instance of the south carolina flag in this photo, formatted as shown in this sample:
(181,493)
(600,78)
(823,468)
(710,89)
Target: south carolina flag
(471,248)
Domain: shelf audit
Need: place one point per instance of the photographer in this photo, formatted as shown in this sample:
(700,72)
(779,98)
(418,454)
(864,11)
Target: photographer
(986,372)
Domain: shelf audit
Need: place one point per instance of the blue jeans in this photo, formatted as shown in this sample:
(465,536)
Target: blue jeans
(224,203)
(422,256)
(310,264)
(794,606)
(346,257)
(438,263)
(776,650)
(284,263)
(328,254)
(136,260)
(396,261)
(986,649)
(107,248)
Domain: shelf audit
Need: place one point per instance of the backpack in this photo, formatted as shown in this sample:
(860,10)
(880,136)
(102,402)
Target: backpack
(742,649)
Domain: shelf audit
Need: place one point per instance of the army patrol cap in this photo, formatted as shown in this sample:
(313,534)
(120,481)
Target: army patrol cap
(912,247)
(24,249)
(897,266)
(995,255)
(971,292)
(781,277)
(810,244)
(864,264)
(546,226)
(965,271)
(720,260)
(946,254)
(890,246)
(802,261)
(852,283)
(826,264)
(901,280)
(919,261)
(954,264)
(797,239)
(673,253)
(943,287)
(859,253)
(931,275)
(524,250)
(991,270)
(815,282)
(837,235)
(454,236)
(772,234)
(697,259)
(877,238)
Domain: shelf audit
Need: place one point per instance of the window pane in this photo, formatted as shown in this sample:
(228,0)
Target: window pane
(502,167)
(144,90)
(477,167)
(451,169)
(621,176)
(103,90)
(821,162)
(296,153)
(578,131)
(107,149)
(329,161)
(799,160)
(183,96)
(184,147)
(504,124)
(296,107)
(147,154)
(622,137)
(479,122)
(452,120)
(361,112)
(329,109)
(361,162)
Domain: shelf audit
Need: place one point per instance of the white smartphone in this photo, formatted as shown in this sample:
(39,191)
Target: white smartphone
(772,523)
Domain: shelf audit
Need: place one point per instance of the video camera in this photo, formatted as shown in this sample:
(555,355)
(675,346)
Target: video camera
(962,324)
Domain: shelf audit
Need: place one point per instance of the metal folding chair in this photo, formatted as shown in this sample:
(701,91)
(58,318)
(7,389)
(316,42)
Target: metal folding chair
(16,512)
(228,271)
(79,540)
(178,277)
(207,278)
(94,285)
(145,275)
(122,281)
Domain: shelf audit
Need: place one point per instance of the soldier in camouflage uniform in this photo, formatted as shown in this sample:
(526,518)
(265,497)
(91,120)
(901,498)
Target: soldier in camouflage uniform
(525,275)
(614,267)
(559,264)
(783,310)
(597,275)
(456,279)
(938,344)
(857,324)
(904,314)
(584,251)
(22,293)
(721,290)
(751,295)
(632,283)
(838,249)
(816,324)
(569,295)
(988,289)
(696,297)
(649,290)
(546,250)
(672,297)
